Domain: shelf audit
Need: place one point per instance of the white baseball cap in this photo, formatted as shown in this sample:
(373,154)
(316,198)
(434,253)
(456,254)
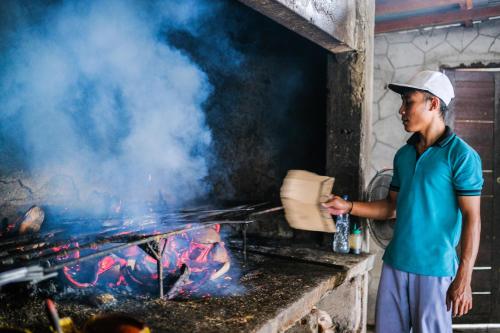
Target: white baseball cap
(434,82)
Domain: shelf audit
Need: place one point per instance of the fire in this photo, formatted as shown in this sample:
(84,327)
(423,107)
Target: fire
(189,259)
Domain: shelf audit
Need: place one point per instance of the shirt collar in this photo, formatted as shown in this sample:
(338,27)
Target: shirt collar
(443,140)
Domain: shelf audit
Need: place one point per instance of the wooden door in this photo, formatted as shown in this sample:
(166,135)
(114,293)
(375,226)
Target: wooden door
(475,118)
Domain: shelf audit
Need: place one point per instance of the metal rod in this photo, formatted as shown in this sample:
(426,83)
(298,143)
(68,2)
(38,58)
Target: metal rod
(153,248)
(53,315)
(244,228)
(267,211)
(159,265)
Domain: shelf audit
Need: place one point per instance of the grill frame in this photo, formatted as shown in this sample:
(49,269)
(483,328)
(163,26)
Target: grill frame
(32,266)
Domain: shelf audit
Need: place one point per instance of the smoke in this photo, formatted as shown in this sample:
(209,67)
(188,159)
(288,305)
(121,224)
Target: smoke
(91,90)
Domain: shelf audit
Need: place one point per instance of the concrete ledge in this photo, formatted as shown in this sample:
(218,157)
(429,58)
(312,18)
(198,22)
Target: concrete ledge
(353,264)
(286,317)
(330,24)
(343,295)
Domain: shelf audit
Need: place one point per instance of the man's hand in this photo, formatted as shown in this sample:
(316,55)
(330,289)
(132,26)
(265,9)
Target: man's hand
(459,297)
(337,206)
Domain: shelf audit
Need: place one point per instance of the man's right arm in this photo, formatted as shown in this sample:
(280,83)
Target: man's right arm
(378,210)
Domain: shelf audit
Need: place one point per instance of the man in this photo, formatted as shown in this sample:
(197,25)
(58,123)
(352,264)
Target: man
(435,197)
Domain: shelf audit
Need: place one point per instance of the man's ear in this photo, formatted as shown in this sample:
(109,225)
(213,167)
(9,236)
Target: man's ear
(435,104)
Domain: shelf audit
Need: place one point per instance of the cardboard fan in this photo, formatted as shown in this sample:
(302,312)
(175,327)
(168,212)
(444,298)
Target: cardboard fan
(301,194)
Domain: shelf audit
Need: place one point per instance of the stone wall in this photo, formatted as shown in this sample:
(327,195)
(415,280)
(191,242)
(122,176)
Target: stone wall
(400,55)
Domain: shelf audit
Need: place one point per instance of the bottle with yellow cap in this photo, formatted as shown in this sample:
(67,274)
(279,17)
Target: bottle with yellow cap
(355,240)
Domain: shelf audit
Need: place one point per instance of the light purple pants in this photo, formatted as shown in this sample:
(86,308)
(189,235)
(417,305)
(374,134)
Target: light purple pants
(409,302)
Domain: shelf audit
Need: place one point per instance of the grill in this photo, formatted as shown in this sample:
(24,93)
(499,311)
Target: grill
(34,258)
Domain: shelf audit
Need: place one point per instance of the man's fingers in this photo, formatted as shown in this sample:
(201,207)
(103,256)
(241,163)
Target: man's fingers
(456,305)
(333,211)
(463,307)
(327,204)
(326,199)
(466,308)
(448,302)
(332,201)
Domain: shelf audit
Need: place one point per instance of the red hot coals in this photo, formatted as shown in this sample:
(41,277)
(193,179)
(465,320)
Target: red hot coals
(194,263)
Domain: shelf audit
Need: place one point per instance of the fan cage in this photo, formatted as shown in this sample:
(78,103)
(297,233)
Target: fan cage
(378,189)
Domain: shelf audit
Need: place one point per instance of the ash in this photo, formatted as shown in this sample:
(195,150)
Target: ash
(269,283)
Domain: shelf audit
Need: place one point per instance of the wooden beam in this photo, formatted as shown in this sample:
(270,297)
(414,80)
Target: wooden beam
(398,6)
(495,255)
(417,22)
(467,5)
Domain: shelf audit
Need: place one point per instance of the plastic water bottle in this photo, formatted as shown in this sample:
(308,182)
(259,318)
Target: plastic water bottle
(341,237)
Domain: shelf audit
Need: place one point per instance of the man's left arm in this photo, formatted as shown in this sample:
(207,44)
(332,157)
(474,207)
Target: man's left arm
(459,295)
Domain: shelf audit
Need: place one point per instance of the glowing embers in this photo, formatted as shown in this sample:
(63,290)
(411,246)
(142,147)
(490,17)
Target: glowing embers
(193,263)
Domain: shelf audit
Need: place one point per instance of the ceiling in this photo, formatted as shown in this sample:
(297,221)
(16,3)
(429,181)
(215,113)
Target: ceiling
(399,15)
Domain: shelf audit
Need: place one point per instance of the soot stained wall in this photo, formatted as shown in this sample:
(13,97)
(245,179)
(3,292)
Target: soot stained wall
(267,111)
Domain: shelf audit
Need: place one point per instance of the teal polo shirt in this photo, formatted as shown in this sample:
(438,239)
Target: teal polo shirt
(429,221)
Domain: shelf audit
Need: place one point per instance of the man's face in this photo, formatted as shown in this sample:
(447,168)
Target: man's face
(415,111)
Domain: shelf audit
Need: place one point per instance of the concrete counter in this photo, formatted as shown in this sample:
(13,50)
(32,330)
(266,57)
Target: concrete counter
(343,295)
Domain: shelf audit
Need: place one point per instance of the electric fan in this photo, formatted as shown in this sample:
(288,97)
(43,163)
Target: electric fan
(378,189)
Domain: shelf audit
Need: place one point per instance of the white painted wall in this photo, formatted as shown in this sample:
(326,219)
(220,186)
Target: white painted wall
(400,55)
